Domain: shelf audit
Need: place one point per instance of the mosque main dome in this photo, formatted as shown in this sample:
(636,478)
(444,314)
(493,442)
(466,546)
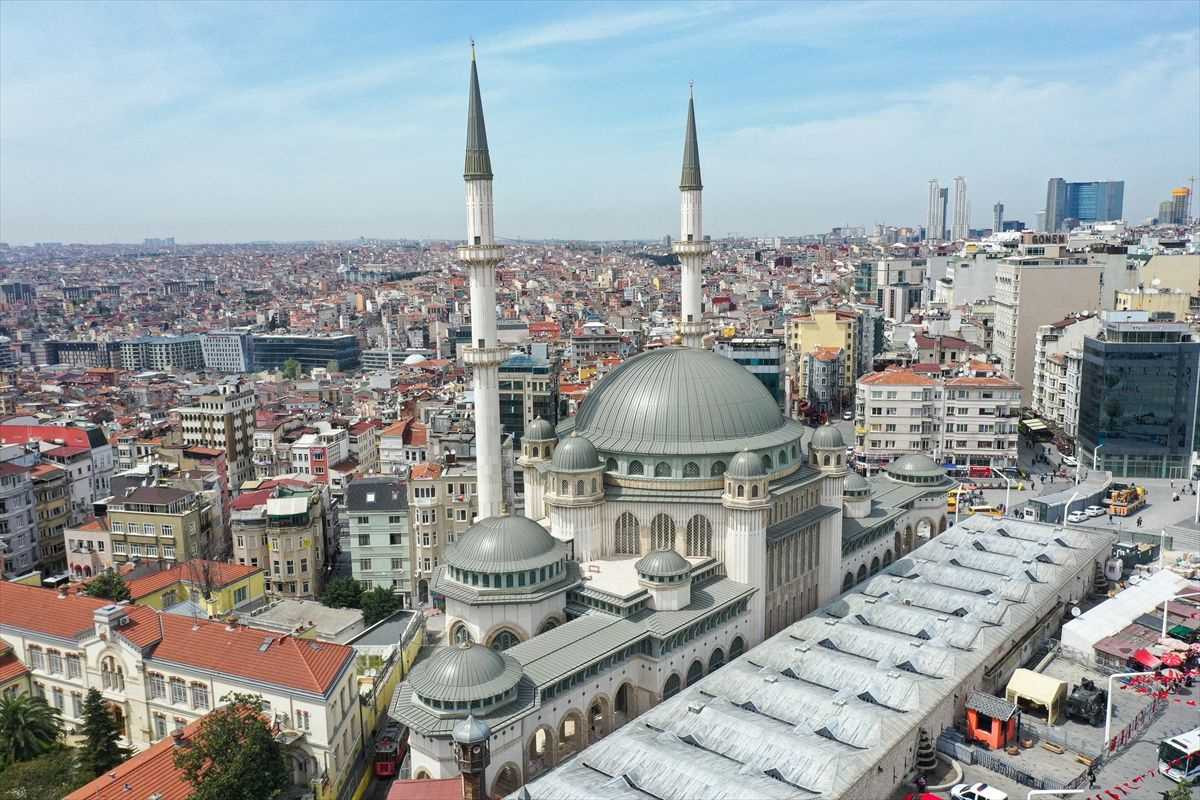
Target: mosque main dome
(682,401)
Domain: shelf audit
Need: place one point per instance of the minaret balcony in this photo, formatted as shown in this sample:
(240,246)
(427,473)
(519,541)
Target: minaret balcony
(485,356)
(694,248)
(486,254)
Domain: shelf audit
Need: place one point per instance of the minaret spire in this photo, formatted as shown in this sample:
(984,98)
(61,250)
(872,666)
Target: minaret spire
(481,254)
(692,246)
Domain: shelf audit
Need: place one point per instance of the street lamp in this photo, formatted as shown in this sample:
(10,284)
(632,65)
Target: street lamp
(1168,600)
(1108,707)
(1007,491)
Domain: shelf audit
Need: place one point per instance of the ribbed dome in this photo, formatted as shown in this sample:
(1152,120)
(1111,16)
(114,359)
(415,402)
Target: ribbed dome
(676,395)
(471,730)
(540,430)
(746,465)
(465,672)
(575,453)
(914,466)
(855,484)
(828,437)
(504,544)
(662,564)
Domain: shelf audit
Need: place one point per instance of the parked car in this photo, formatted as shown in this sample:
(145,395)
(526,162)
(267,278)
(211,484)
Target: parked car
(977,791)
(1077,516)
(923,796)
(1069,461)
(1095,511)
(847,415)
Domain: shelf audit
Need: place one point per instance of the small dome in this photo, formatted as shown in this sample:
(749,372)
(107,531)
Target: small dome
(662,564)
(471,730)
(855,484)
(540,431)
(916,467)
(574,454)
(415,358)
(746,465)
(827,437)
(466,672)
(504,544)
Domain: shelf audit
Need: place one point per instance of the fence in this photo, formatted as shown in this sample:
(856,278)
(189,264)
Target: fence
(1128,734)
(953,743)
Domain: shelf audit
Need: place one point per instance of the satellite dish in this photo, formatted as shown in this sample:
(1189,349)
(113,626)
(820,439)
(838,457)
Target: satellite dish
(1075,612)
(1156,282)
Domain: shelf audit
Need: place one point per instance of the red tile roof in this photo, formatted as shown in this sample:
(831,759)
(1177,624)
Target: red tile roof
(219,573)
(421,789)
(11,668)
(302,664)
(897,376)
(150,773)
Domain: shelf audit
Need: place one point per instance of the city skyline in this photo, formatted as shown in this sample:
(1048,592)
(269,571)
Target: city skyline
(176,121)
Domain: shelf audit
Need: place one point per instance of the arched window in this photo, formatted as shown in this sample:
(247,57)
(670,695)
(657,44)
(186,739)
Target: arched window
(564,488)
(782,457)
(736,648)
(695,672)
(717,470)
(504,639)
(887,557)
(535,451)
(610,465)
(741,492)
(716,660)
(754,490)
(691,470)
(627,535)
(848,581)
(767,462)
(662,470)
(662,533)
(862,573)
(579,490)
(635,468)
(699,536)
(671,688)
(595,486)
(793,451)
(111,674)
(874,565)
(825,460)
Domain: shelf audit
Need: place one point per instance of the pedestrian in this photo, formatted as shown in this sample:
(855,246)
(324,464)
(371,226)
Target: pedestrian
(921,782)
(1139,522)
(1110,518)
(1091,778)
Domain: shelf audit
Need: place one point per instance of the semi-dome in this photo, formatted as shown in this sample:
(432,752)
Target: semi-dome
(504,544)
(915,468)
(663,563)
(746,465)
(540,430)
(467,672)
(827,437)
(855,484)
(677,400)
(575,453)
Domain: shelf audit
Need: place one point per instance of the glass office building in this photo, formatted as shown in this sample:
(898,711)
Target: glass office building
(1137,414)
(1068,203)
(311,350)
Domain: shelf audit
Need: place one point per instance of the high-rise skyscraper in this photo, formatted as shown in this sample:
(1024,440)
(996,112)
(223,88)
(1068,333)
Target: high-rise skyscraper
(1089,201)
(962,211)
(997,217)
(936,229)
(692,247)
(481,254)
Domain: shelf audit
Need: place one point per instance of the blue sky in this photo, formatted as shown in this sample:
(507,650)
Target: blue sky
(234,122)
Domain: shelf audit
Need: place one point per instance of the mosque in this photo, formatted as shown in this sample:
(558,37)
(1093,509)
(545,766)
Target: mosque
(676,521)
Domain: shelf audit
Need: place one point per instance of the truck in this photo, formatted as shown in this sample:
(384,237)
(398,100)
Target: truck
(1086,703)
(1125,499)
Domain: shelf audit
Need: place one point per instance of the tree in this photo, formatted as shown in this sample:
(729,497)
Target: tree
(291,369)
(332,365)
(102,748)
(343,593)
(47,777)
(29,727)
(377,604)
(233,755)
(1181,792)
(109,586)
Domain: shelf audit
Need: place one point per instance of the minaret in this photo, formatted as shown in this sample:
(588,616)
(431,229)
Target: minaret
(481,254)
(692,246)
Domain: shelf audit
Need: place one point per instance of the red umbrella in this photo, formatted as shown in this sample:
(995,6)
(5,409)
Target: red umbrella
(1172,660)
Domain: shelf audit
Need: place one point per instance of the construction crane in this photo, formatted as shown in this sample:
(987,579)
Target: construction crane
(1191,194)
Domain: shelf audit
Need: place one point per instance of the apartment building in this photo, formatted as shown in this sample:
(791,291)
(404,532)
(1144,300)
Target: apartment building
(163,353)
(83,451)
(900,286)
(528,389)
(967,420)
(442,504)
(402,445)
(765,358)
(159,672)
(282,528)
(18,531)
(89,548)
(830,327)
(1037,287)
(52,508)
(163,523)
(316,454)
(380,543)
(825,374)
(594,339)
(222,416)
(1058,351)
(228,351)
(364,444)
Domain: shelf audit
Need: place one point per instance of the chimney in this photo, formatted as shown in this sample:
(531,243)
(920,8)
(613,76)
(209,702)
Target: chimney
(177,737)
